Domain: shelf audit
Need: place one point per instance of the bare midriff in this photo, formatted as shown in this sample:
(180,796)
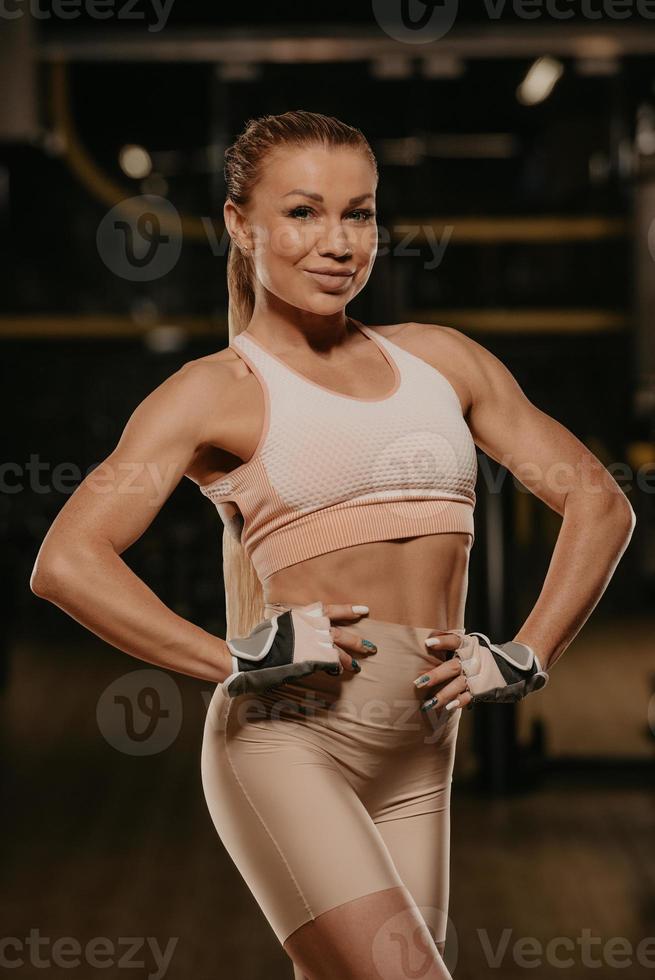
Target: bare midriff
(420,581)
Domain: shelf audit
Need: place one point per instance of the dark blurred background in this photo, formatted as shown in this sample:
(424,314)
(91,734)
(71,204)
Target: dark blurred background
(516,202)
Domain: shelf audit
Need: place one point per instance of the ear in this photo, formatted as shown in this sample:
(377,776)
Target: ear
(236,224)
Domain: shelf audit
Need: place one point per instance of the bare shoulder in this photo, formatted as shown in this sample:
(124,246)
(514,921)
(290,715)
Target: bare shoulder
(192,389)
(190,414)
(471,367)
(225,364)
(177,410)
(230,399)
(446,349)
(213,380)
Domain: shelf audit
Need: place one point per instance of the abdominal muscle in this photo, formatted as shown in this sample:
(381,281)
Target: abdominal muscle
(420,581)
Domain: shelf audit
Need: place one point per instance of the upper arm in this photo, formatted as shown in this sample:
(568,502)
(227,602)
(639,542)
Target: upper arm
(543,455)
(119,498)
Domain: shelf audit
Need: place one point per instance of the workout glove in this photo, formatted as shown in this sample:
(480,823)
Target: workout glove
(499,672)
(285,647)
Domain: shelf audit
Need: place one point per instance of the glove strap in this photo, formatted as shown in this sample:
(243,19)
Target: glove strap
(269,644)
(515,660)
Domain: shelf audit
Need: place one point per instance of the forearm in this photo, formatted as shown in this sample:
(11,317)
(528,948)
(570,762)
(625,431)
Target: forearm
(590,543)
(99,590)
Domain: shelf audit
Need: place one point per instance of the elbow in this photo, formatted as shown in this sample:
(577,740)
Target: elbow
(621,517)
(40,583)
(631,520)
(625,515)
(48,576)
(610,514)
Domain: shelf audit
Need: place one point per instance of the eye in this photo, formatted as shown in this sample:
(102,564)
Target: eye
(366,213)
(303,210)
(301,207)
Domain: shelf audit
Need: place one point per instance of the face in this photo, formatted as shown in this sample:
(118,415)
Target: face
(310,226)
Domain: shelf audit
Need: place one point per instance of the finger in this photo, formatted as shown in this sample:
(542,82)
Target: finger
(443,640)
(352,642)
(341,610)
(439,675)
(348,662)
(449,693)
(462,700)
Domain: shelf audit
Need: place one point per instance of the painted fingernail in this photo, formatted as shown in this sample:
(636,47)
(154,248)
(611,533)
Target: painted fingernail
(429,704)
(420,681)
(356,665)
(369,646)
(432,641)
(452,704)
(360,609)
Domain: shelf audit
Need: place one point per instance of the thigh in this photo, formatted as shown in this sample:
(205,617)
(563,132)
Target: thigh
(381,936)
(420,849)
(292,823)
(411,810)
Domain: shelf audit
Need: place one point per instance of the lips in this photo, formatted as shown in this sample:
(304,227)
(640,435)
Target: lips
(328,271)
(331,280)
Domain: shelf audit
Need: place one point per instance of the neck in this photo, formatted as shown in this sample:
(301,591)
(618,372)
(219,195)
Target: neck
(319,333)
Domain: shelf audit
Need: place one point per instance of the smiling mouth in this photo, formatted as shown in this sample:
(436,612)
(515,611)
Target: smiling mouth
(333,280)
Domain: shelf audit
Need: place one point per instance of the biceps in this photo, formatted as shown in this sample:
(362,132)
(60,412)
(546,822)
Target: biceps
(120,498)
(112,506)
(540,452)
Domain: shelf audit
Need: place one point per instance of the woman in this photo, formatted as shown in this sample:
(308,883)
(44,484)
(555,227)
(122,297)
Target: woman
(342,461)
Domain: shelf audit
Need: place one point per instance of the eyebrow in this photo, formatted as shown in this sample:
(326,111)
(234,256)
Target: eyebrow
(319,197)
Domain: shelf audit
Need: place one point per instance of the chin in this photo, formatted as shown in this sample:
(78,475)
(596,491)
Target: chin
(323,304)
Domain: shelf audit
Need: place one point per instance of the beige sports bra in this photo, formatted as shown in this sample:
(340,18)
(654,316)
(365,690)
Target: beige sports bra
(333,470)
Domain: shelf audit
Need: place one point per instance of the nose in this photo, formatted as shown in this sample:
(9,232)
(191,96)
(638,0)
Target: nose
(334,241)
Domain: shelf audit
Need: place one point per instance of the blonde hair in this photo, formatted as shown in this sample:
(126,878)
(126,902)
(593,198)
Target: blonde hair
(244,162)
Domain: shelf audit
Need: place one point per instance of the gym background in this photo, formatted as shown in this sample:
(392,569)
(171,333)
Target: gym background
(516,147)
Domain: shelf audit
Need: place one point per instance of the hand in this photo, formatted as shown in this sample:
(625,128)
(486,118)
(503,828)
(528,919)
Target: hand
(475,669)
(292,644)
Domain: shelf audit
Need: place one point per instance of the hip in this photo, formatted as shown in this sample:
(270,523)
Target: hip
(376,711)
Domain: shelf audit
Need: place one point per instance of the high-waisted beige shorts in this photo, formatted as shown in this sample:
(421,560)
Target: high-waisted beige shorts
(333,787)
